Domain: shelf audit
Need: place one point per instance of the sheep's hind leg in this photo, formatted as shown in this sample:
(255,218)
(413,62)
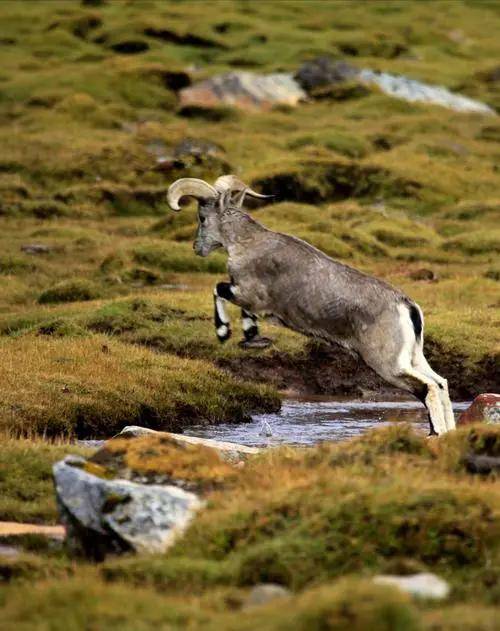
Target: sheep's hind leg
(252,338)
(422,365)
(428,391)
(224,292)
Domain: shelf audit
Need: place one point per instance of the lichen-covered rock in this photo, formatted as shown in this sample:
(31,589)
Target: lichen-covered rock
(422,585)
(139,491)
(484,409)
(231,452)
(104,515)
(244,89)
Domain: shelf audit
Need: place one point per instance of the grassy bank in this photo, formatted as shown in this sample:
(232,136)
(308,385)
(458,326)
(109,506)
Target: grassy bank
(321,522)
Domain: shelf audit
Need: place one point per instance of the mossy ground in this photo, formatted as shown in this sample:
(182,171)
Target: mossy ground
(110,322)
(388,502)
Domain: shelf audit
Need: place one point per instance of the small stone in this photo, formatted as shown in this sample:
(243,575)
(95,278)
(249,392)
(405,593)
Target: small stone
(422,585)
(36,248)
(484,409)
(9,551)
(424,274)
(265,593)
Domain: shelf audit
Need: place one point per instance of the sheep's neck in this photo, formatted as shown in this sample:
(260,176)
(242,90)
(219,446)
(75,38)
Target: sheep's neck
(238,229)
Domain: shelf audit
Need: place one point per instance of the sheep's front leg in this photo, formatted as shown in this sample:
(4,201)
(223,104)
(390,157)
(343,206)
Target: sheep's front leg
(222,292)
(251,337)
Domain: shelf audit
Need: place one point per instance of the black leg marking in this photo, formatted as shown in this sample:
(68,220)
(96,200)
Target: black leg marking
(250,328)
(222,292)
(251,336)
(421,394)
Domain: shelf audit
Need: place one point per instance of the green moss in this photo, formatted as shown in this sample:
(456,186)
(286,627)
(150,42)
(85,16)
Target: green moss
(26,479)
(70,291)
(190,575)
(178,258)
(477,242)
(94,386)
(30,567)
(15,265)
(130,315)
(350,146)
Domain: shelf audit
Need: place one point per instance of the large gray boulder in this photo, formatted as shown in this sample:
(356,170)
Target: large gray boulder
(118,515)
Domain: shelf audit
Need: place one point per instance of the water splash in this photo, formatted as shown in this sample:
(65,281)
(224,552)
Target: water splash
(307,422)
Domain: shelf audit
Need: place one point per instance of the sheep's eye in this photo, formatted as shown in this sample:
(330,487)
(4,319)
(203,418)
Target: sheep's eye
(202,219)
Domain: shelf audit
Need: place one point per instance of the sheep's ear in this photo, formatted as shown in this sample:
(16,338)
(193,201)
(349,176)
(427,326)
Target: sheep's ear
(239,198)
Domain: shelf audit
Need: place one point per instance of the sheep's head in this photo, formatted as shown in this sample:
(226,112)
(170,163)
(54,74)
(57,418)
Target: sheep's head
(227,192)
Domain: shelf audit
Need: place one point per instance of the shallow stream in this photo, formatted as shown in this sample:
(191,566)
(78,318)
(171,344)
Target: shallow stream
(309,421)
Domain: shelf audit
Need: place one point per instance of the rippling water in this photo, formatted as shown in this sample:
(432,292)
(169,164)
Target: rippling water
(306,422)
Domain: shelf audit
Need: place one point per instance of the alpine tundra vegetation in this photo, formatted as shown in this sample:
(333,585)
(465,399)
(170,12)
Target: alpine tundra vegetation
(106,313)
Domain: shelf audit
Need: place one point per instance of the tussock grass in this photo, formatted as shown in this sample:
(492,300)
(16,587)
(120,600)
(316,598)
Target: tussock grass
(391,187)
(389,501)
(26,478)
(94,386)
(390,498)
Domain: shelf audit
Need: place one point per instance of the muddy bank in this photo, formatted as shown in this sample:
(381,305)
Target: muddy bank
(333,371)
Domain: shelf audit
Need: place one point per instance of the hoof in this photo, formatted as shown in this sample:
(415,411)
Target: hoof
(223,334)
(256,342)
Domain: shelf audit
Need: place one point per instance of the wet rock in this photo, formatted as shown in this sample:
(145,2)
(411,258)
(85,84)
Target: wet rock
(265,593)
(322,72)
(422,585)
(103,516)
(484,409)
(36,248)
(246,90)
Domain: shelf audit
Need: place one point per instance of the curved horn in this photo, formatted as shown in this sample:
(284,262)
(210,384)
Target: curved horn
(232,183)
(189,187)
